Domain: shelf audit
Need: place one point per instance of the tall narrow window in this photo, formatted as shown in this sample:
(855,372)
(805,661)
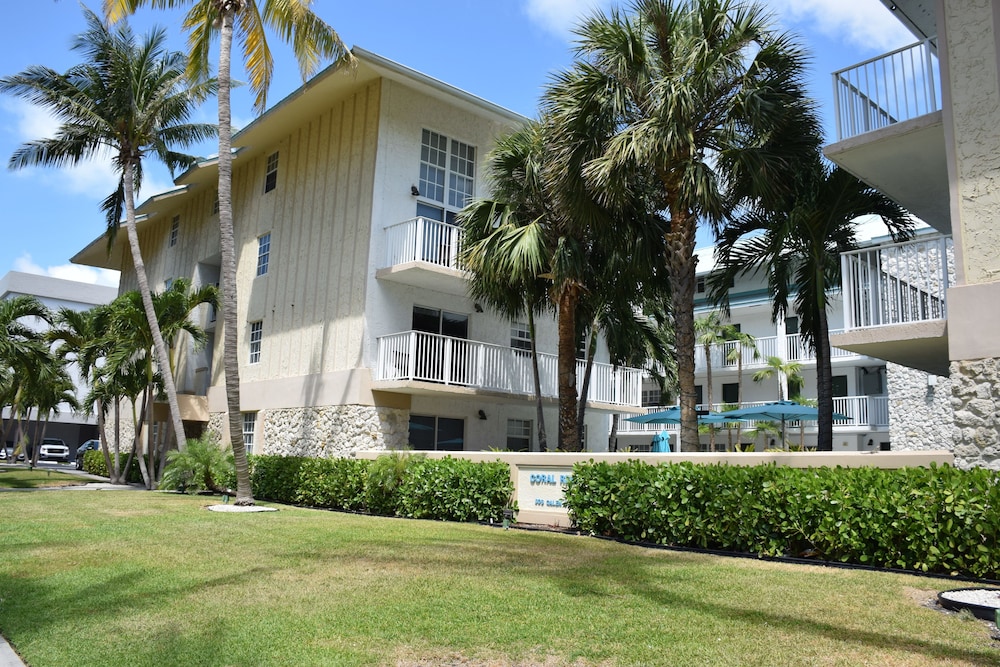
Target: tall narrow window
(175,229)
(249,430)
(263,253)
(271,172)
(256,337)
(215,204)
(447,176)
(519,435)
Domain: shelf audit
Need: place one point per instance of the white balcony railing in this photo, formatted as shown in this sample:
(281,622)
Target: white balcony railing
(422,240)
(419,356)
(898,283)
(862,412)
(722,354)
(887,89)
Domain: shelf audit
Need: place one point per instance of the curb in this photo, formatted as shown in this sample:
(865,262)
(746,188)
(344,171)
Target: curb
(8,658)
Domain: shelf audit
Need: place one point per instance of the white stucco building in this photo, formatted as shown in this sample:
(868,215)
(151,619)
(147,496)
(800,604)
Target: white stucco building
(920,124)
(356,331)
(56,293)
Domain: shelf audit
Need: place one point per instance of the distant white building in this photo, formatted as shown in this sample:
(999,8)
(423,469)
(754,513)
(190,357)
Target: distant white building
(56,293)
(887,406)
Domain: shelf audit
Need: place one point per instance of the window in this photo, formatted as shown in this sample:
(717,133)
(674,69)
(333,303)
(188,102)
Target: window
(167,284)
(520,337)
(215,204)
(698,394)
(447,176)
(791,325)
(249,429)
(839,383)
(731,392)
(256,336)
(175,228)
(437,433)
(271,172)
(651,397)
(700,285)
(519,435)
(263,253)
(432,320)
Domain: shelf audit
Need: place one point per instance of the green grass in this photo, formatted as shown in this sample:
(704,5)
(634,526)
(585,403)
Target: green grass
(132,578)
(18,477)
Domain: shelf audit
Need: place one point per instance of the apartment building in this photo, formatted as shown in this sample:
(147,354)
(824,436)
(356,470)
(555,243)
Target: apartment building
(56,293)
(356,328)
(920,124)
(861,383)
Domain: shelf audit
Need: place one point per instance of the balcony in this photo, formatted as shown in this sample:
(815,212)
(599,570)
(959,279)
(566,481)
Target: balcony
(724,357)
(862,412)
(890,132)
(427,363)
(894,302)
(423,253)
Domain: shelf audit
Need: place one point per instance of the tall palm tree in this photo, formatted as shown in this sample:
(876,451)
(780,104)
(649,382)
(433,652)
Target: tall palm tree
(785,373)
(22,352)
(799,252)
(744,343)
(129,97)
(311,40)
(504,244)
(709,331)
(710,105)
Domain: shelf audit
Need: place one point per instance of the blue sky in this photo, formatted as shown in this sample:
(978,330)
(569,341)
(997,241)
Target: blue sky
(504,51)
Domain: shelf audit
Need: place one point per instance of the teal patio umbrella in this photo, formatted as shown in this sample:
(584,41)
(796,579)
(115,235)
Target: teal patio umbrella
(780,411)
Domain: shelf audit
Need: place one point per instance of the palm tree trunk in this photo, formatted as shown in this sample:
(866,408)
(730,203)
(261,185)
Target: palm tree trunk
(543,444)
(681,263)
(227,246)
(162,360)
(101,422)
(137,436)
(739,395)
(824,385)
(613,434)
(708,381)
(569,432)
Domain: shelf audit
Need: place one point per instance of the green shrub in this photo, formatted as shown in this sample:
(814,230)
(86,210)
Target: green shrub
(93,463)
(938,519)
(335,483)
(203,466)
(276,478)
(384,481)
(452,489)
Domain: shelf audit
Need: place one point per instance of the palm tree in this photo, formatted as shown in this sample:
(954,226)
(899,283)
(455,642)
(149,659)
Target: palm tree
(504,244)
(709,331)
(709,104)
(129,97)
(784,372)
(799,252)
(743,342)
(22,352)
(311,39)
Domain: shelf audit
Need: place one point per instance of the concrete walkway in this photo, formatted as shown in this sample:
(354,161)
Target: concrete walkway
(7,656)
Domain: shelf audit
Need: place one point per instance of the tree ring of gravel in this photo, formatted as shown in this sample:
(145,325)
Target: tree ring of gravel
(241,508)
(982,602)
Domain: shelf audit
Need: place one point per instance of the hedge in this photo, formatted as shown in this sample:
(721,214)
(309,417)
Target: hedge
(93,463)
(938,519)
(404,485)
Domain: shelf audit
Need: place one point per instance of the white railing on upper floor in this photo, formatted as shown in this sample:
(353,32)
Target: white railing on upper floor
(898,283)
(419,356)
(862,412)
(887,89)
(422,240)
(722,355)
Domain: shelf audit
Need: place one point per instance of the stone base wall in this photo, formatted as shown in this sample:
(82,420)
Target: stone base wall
(975,399)
(920,413)
(338,430)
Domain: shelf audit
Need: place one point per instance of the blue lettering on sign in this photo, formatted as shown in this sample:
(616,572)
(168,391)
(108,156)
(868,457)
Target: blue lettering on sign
(553,503)
(539,501)
(542,479)
(564,479)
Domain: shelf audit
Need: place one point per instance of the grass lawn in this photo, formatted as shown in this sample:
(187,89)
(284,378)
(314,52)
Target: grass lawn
(134,578)
(18,477)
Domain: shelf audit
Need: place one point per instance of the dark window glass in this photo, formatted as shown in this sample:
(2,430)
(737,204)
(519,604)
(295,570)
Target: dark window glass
(422,432)
(731,392)
(791,325)
(839,383)
(698,396)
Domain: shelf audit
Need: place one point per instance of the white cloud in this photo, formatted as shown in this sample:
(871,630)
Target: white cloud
(83,274)
(560,16)
(865,24)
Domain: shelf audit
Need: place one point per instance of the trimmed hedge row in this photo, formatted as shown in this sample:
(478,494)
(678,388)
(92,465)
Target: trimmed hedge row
(93,462)
(938,519)
(411,486)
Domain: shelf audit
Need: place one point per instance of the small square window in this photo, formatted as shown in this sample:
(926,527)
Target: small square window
(520,337)
(271,172)
(175,229)
(249,430)
(731,392)
(263,253)
(650,397)
(256,337)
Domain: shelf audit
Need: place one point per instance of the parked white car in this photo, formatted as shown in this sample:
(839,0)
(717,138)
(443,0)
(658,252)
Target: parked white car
(53,449)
